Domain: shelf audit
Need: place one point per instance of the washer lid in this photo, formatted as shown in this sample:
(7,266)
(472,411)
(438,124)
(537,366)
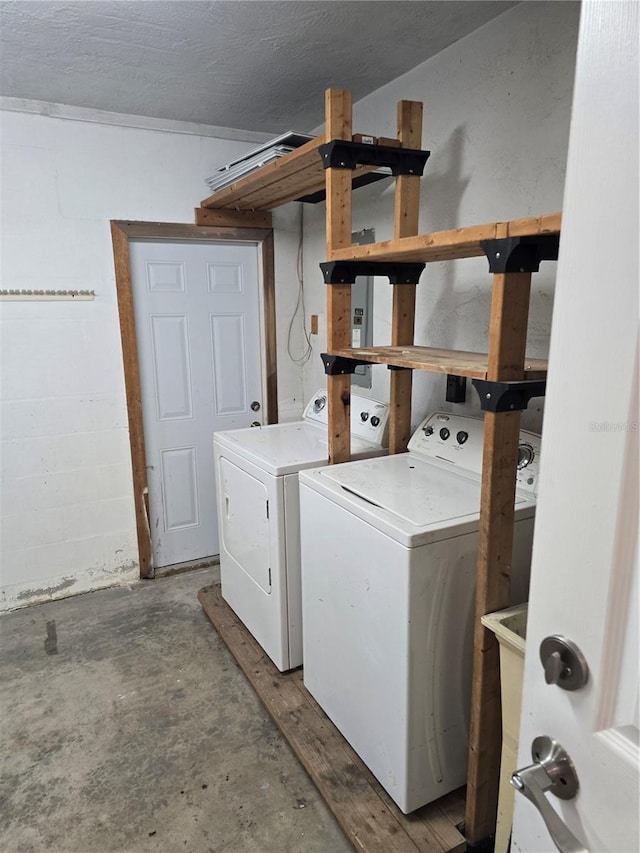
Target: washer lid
(411,489)
(287,448)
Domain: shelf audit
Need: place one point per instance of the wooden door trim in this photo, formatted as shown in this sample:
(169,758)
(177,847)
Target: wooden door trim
(121,233)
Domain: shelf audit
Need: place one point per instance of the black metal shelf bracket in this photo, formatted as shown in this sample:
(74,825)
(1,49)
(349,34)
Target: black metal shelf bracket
(338,365)
(520,254)
(345,154)
(346,272)
(508,396)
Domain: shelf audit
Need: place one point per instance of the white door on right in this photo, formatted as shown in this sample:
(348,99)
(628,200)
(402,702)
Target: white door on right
(585,561)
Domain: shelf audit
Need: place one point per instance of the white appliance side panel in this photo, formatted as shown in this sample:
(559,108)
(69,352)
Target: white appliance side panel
(292,549)
(387,644)
(245,559)
(441,608)
(354,590)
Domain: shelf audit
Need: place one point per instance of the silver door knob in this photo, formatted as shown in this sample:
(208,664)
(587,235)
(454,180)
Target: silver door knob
(255,406)
(552,771)
(563,662)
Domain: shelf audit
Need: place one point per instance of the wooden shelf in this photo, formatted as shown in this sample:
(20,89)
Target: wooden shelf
(297,174)
(470,364)
(448,245)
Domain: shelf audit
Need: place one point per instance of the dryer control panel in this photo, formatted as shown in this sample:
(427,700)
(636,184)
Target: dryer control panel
(368,417)
(458,440)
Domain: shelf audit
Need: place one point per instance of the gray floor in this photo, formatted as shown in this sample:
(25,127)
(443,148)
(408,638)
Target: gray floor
(135,731)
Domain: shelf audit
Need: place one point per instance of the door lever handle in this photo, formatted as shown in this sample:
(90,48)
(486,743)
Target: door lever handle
(553,771)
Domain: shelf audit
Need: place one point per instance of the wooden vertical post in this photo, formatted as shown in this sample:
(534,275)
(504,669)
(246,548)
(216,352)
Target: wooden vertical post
(338,183)
(407,206)
(507,342)
(134,397)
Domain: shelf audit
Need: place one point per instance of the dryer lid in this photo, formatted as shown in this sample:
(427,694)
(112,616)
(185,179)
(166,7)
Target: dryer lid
(287,448)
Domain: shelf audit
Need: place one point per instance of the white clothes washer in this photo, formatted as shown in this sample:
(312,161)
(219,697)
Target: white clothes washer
(258,515)
(389,550)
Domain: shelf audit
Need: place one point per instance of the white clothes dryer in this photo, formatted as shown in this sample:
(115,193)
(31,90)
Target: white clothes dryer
(258,515)
(389,550)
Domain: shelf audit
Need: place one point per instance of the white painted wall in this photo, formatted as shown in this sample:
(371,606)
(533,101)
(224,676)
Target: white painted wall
(67,505)
(497,108)
(496,119)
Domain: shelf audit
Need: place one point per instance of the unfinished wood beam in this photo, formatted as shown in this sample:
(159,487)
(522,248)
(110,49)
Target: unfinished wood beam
(473,365)
(507,341)
(338,225)
(406,213)
(233,218)
(451,244)
(124,290)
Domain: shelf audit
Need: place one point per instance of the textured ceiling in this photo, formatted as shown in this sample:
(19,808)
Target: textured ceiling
(259,66)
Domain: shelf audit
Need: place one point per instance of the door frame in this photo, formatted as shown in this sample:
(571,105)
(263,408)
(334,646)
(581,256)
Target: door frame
(122,231)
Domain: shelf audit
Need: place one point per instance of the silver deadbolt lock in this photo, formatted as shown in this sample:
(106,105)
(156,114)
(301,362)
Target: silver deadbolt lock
(255,406)
(563,662)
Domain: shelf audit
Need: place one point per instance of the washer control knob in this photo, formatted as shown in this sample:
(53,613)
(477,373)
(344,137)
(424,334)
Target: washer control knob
(462,436)
(375,420)
(364,416)
(428,430)
(444,433)
(526,455)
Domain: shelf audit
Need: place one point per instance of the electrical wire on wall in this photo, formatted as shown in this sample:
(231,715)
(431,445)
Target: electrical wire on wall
(300,308)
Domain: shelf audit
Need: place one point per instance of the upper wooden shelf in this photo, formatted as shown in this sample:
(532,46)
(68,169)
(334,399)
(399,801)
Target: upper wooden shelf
(470,364)
(448,245)
(297,174)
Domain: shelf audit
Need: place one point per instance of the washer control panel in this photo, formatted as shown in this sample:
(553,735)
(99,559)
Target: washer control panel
(458,440)
(368,417)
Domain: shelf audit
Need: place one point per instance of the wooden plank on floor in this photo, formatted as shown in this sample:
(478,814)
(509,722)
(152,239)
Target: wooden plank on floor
(367,815)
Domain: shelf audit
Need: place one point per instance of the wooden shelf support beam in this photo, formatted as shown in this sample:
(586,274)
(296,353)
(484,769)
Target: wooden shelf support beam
(338,111)
(406,213)
(506,357)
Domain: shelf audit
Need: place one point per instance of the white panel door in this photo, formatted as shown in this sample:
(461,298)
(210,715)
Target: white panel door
(585,562)
(197,314)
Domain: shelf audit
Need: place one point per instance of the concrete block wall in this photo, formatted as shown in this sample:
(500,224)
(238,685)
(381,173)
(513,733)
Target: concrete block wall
(497,106)
(66,490)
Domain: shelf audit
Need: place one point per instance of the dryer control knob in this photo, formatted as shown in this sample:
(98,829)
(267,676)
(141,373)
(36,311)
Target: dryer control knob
(444,433)
(526,455)
(364,416)
(462,436)
(428,430)
(375,420)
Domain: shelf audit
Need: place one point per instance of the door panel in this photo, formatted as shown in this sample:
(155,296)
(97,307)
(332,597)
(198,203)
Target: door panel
(180,488)
(199,350)
(171,367)
(228,344)
(585,559)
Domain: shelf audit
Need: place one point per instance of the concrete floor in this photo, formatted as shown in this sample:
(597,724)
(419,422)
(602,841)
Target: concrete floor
(133,730)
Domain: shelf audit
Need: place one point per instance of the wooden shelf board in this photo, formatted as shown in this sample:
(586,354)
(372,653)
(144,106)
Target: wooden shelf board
(297,174)
(448,245)
(365,812)
(470,364)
